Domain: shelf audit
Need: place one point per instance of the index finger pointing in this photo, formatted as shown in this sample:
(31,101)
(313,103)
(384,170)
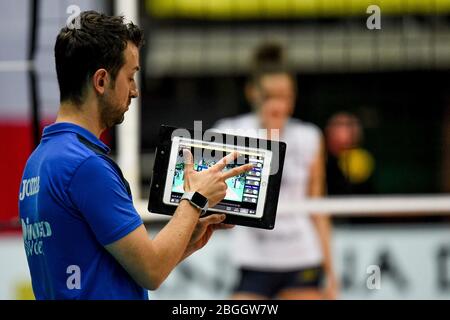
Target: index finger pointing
(237,171)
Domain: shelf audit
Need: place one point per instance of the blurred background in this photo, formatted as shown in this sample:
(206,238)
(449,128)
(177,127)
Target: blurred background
(385,87)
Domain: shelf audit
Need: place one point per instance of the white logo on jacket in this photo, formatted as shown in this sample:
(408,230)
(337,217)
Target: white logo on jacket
(30,187)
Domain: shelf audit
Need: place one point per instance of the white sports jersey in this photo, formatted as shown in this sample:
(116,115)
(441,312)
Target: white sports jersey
(294,243)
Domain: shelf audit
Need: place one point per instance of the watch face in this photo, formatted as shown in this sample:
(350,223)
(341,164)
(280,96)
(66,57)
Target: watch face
(199,200)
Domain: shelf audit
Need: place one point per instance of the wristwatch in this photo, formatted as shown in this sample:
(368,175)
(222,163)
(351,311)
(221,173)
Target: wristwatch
(197,200)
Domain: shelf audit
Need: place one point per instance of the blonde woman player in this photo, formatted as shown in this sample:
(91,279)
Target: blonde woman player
(293,260)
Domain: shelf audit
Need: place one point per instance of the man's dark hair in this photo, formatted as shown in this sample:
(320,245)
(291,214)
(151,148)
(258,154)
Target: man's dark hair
(99,42)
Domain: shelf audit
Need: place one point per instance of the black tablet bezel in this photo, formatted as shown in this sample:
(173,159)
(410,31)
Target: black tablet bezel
(158,182)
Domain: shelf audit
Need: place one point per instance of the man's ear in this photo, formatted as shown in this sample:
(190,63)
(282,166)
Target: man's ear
(100,81)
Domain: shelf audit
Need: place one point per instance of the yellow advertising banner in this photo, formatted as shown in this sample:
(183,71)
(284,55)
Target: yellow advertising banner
(281,9)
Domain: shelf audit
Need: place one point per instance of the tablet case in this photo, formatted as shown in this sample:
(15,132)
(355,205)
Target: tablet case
(156,204)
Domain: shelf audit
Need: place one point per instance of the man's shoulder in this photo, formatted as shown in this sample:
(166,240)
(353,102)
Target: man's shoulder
(99,164)
(61,157)
(66,151)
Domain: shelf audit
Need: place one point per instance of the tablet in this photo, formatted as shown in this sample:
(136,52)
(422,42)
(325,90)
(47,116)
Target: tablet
(252,197)
(246,193)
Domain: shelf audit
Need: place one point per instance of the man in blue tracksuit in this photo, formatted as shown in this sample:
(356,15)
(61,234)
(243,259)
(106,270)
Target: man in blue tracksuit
(83,238)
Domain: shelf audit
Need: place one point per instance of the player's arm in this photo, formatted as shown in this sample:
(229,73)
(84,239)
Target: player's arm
(149,262)
(322,222)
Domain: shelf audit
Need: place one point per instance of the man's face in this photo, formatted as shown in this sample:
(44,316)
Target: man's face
(118,95)
(275,100)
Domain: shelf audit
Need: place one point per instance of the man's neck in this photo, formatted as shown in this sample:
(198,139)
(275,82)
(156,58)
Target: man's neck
(85,116)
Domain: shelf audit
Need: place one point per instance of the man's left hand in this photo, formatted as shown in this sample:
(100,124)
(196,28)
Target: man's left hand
(203,231)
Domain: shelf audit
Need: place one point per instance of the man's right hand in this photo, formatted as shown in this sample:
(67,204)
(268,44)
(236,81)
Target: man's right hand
(211,183)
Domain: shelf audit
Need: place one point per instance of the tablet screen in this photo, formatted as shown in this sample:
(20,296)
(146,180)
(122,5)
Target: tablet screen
(246,192)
